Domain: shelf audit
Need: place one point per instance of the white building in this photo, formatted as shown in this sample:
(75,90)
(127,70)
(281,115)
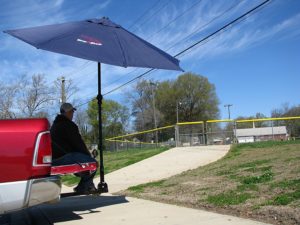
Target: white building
(261,134)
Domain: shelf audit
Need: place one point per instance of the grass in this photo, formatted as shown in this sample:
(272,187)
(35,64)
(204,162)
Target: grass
(253,179)
(117,160)
(228,198)
(286,198)
(141,188)
(287,184)
(265,177)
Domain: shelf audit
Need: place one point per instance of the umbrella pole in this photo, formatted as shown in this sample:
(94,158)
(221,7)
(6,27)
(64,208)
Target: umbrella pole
(102,186)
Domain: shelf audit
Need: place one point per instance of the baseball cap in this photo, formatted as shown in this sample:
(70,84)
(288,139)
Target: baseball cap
(66,107)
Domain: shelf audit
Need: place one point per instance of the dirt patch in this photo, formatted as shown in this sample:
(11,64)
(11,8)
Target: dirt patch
(257,182)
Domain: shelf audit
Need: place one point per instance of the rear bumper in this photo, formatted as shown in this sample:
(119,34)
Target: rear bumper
(22,194)
(43,190)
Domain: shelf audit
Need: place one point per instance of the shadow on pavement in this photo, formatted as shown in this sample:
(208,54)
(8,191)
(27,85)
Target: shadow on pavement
(72,208)
(4,219)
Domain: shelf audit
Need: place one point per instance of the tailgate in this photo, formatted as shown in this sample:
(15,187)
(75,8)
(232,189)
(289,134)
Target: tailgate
(73,168)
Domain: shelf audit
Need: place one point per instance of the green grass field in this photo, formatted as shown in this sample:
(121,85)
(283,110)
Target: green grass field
(257,180)
(117,160)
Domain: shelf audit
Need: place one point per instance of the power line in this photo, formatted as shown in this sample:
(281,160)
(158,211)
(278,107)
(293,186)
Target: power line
(197,30)
(224,27)
(195,44)
(128,82)
(80,68)
(176,18)
(190,47)
(121,78)
(147,20)
(145,13)
(205,25)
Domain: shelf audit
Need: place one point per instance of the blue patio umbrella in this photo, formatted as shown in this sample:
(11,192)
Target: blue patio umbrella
(102,41)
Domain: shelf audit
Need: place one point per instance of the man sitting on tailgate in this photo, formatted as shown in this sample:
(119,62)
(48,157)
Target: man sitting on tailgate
(69,148)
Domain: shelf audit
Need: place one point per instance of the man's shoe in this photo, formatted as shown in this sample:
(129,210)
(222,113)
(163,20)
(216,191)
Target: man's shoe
(79,190)
(92,190)
(86,191)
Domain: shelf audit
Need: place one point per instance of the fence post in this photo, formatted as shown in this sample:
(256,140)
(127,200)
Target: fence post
(203,135)
(205,132)
(235,140)
(177,135)
(272,130)
(191,135)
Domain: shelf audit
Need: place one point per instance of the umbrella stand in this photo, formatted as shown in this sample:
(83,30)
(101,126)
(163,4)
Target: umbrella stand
(102,186)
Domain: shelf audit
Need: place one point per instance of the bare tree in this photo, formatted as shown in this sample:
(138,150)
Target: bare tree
(69,88)
(8,94)
(81,119)
(141,98)
(35,95)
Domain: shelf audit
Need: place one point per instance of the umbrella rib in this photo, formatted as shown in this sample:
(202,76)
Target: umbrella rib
(122,50)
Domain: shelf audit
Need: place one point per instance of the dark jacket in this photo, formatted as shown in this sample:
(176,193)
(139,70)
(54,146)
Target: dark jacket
(66,138)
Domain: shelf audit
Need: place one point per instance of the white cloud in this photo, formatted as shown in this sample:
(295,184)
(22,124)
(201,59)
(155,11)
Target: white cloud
(58,3)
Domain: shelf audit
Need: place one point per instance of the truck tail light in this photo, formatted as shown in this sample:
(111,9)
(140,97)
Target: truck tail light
(43,150)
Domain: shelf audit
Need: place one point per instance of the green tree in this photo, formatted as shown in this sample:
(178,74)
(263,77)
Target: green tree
(195,95)
(293,126)
(114,119)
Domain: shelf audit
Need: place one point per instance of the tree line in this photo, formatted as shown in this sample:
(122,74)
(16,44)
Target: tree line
(189,97)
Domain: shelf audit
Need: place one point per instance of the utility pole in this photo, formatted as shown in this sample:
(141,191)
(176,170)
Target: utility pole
(154,112)
(233,128)
(228,107)
(63,89)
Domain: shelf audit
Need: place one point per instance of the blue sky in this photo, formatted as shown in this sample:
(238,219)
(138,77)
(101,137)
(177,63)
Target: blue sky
(254,65)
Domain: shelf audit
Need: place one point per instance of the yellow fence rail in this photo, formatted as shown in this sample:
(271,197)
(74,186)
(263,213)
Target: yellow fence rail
(198,122)
(141,132)
(190,123)
(268,119)
(133,142)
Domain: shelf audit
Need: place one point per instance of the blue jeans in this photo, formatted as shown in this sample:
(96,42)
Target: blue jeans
(86,180)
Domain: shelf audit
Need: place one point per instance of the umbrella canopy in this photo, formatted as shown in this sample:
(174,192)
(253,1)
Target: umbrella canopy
(98,40)
(102,41)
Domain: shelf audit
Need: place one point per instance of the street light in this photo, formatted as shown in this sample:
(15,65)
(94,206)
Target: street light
(234,123)
(178,103)
(228,107)
(177,110)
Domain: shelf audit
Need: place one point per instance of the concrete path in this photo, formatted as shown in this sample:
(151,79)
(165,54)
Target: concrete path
(119,210)
(166,164)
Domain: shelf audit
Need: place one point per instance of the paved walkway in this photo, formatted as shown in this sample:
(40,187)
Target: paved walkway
(119,210)
(166,164)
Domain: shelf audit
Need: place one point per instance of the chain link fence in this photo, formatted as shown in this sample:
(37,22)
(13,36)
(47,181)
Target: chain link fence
(154,138)
(211,132)
(219,132)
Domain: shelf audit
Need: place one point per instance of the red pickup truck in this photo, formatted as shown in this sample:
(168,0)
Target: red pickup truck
(26,175)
